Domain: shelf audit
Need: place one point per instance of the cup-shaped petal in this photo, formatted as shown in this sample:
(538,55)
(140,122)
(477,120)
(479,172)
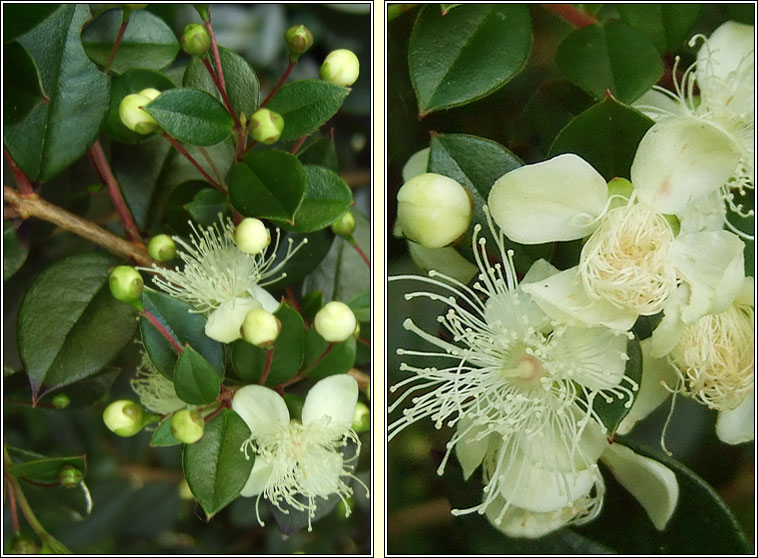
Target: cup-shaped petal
(259,477)
(224,322)
(333,397)
(262,409)
(737,426)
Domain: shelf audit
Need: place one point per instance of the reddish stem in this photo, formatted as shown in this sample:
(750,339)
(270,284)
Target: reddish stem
(361,253)
(221,90)
(364,341)
(297,145)
(292,299)
(267,366)
(319,360)
(278,84)
(116,44)
(195,164)
(215,412)
(570,15)
(162,330)
(12,502)
(22,181)
(97,156)
(30,403)
(249,147)
(216,56)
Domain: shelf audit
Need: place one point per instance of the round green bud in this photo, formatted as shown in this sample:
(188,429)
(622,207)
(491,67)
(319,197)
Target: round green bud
(340,67)
(134,117)
(252,236)
(70,476)
(344,226)
(161,248)
(126,285)
(266,126)
(187,426)
(185,492)
(195,39)
(151,93)
(335,322)
(23,545)
(361,418)
(124,418)
(260,328)
(60,401)
(433,210)
(299,39)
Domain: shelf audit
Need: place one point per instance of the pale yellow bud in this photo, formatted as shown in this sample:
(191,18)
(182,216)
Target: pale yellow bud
(340,67)
(266,126)
(252,236)
(260,328)
(335,322)
(134,117)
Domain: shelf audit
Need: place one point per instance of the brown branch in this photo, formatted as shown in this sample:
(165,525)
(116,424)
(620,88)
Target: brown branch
(570,15)
(298,145)
(267,366)
(34,206)
(217,58)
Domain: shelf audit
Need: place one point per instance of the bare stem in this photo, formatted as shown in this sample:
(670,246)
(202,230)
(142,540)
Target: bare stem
(570,15)
(216,57)
(213,166)
(361,253)
(267,366)
(298,145)
(12,502)
(116,44)
(162,330)
(195,164)
(222,90)
(278,84)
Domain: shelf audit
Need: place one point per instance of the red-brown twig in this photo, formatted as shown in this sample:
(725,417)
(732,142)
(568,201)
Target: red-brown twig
(570,15)
(278,84)
(195,164)
(216,57)
(361,253)
(319,360)
(298,144)
(162,330)
(267,366)
(22,181)
(12,502)
(221,90)
(116,44)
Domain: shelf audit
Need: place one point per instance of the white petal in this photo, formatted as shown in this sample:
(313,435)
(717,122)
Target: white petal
(416,164)
(321,472)
(713,265)
(558,199)
(541,269)
(651,393)
(666,335)
(518,522)
(738,425)
(224,322)
(563,298)
(268,302)
(705,214)
(746,296)
(658,105)
(680,160)
(446,260)
(651,483)
(334,397)
(594,355)
(469,450)
(515,312)
(258,479)
(262,409)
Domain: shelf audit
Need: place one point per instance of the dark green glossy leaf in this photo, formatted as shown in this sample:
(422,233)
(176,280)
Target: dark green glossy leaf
(361,307)
(612,57)
(162,437)
(81,394)
(320,361)
(147,42)
(242,86)
(305,105)
(177,215)
(69,325)
(185,325)
(308,257)
(606,135)
(206,206)
(320,152)
(56,133)
(57,503)
(130,82)
(611,414)
(191,116)
(466,54)
(312,302)
(326,198)
(20,18)
(268,184)
(249,361)
(15,250)
(22,88)
(667,25)
(47,470)
(215,468)
(195,381)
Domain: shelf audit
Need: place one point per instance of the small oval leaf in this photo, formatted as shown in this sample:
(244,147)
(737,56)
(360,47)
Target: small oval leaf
(305,105)
(195,381)
(191,116)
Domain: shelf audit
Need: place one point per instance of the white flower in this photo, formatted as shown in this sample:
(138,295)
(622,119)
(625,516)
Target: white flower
(156,392)
(298,463)
(221,281)
(519,390)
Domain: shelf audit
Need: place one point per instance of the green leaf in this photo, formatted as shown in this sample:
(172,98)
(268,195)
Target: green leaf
(606,135)
(147,42)
(268,185)
(667,25)
(467,54)
(612,57)
(320,152)
(326,198)
(361,307)
(19,18)
(305,105)
(51,545)
(15,250)
(82,394)
(215,468)
(308,257)
(47,470)
(69,325)
(185,325)
(195,380)
(319,363)
(56,133)
(249,361)
(242,86)
(191,116)
(130,82)
(23,89)
(611,414)
(206,206)
(177,215)
(162,437)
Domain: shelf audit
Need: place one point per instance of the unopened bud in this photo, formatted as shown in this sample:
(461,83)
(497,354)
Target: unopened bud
(124,418)
(126,285)
(185,492)
(340,67)
(252,236)
(344,226)
(361,418)
(23,545)
(298,39)
(187,426)
(70,476)
(151,93)
(161,248)
(60,401)
(134,117)
(260,328)
(433,210)
(266,126)
(195,39)
(335,322)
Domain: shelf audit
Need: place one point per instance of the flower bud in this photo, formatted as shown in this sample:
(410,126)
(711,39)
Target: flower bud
(151,93)
(260,328)
(126,285)
(340,67)
(185,492)
(252,236)
(70,476)
(161,248)
(23,545)
(195,39)
(298,39)
(266,126)
(134,117)
(187,426)
(124,418)
(335,322)
(344,226)
(60,401)
(433,210)
(361,418)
